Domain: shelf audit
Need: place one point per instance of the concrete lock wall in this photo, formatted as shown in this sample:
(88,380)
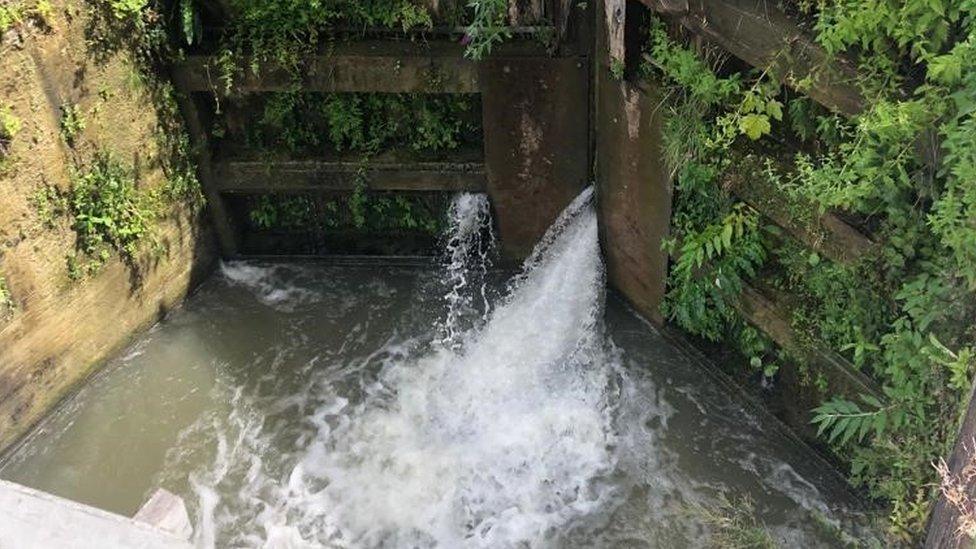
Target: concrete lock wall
(54,329)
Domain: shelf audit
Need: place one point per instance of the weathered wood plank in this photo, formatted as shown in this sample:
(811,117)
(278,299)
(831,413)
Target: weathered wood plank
(244,176)
(633,186)
(798,395)
(223,225)
(774,319)
(944,519)
(824,233)
(762,35)
(536,143)
(370,66)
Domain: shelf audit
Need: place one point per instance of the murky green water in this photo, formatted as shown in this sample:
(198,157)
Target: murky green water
(309,405)
(227,394)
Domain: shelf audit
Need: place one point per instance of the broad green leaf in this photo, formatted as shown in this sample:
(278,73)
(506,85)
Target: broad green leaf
(754,125)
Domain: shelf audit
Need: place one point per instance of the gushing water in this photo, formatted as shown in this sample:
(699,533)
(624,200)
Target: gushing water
(337,406)
(495,439)
(469,242)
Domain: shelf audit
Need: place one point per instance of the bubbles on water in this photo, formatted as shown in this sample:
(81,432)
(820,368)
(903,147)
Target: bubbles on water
(268,283)
(496,435)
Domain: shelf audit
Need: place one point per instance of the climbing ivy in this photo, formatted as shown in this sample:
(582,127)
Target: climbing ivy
(904,170)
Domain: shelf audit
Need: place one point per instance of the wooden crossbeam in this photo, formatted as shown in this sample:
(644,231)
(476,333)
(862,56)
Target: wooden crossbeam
(368,66)
(246,176)
(827,233)
(762,35)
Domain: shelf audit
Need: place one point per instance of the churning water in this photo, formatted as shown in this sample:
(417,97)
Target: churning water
(393,406)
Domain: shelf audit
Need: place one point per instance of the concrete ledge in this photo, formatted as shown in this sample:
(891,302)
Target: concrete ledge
(166,511)
(36,519)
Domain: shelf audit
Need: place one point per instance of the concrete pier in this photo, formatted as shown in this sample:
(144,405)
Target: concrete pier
(32,518)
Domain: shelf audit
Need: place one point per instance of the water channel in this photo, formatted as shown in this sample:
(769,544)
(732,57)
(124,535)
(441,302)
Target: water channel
(449,404)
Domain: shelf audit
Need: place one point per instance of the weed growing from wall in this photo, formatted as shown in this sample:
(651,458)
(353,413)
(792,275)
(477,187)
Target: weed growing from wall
(284,32)
(147,31)
(488,28)
(9,128)
(18,11)
(109,214)
(6,300)
(71,123)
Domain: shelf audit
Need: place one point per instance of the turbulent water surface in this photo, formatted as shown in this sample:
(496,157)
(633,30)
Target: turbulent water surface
(384,405)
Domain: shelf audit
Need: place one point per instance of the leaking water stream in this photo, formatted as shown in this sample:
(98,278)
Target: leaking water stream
(297,405)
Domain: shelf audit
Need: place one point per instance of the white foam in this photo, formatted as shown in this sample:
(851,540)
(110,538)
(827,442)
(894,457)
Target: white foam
(495,437)
(265,282)
(469,241)
(496,443)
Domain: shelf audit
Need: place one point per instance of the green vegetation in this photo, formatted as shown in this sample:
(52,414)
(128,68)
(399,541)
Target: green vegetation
(367,125)
(146,31)
(49,204)
(362,123)
(105,207)
(18,11)
(285,31)
(488,27)
(6,300)
(72,123)
(9,127)
(361,211)
(732,524)
(904,169)
(109,214)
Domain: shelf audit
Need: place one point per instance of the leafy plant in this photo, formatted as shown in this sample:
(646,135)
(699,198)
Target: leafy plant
(6,300)
(359,211)
(9,128)
(108,211)
(281,212)
(72,123)
(363,122)
(50,204)
(488,28)
(904,169)
(617,68)
(284,32)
